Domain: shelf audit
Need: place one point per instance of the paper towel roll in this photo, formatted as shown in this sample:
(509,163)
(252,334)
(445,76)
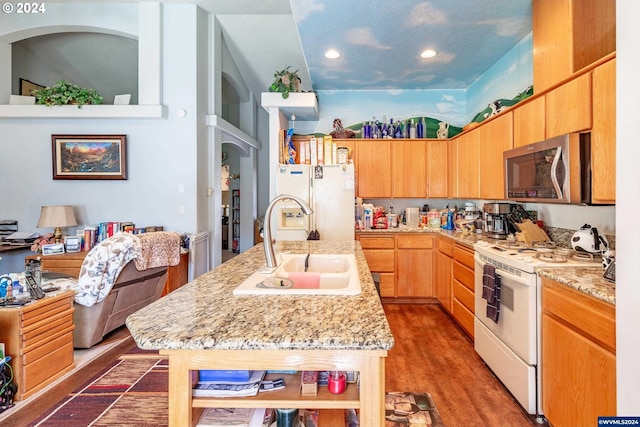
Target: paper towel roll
(413,217)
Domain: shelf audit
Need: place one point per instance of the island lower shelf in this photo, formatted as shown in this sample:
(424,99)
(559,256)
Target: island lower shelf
(290,396)
(185,409)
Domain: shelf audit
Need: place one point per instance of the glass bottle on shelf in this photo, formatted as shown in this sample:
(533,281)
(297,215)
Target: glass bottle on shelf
(385,128)
(392,129)
(412,129)
(420,129)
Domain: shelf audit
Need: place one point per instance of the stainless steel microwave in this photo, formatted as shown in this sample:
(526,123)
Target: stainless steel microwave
(557,170)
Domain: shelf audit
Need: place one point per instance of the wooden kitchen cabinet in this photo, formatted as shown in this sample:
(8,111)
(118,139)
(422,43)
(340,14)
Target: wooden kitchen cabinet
(373,164)
(39,339)
(409,165)
(414,265)
(568,107)
(496,136)
(452,172)
(444,272)
(463,303)
(528,122)
(603,134)
(468,169)
(437,168)
(379,251)
(578,356)
(568,35)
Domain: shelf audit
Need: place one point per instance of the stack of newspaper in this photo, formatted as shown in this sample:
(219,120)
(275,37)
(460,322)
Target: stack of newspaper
(236,417)
(230,388)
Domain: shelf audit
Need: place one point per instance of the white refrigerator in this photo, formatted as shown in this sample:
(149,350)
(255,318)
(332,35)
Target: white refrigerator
(329,190)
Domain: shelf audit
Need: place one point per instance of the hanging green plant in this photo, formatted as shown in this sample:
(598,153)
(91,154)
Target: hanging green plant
(285,82)
(63,93)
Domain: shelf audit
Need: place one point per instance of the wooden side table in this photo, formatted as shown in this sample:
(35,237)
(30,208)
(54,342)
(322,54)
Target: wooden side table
(67,263)
(39,338)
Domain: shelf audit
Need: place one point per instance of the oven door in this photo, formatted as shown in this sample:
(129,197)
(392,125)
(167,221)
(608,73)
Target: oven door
(517,325)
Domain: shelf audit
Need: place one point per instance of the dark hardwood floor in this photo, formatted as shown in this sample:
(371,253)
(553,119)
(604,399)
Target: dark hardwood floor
(433,354)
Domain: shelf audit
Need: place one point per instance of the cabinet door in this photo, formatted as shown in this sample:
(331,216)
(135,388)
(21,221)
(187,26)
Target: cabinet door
(603,134)
(443,280)
(528,122)
(496,137)
(452,173)
(578,379)
(468,165)
(569,107)
(374,168)
(437,168)
(415,272)
(409,160)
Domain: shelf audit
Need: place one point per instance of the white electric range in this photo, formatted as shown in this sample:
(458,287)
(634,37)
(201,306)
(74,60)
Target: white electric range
(511,347)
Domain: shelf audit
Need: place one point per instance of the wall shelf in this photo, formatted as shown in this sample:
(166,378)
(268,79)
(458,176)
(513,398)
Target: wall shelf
(87,111)
(303,105)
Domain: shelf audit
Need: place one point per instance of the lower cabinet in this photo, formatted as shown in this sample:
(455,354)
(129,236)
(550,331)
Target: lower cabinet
(444,272)
(578,356)
(403,260)
(463,287)
(379,250)
(414,265)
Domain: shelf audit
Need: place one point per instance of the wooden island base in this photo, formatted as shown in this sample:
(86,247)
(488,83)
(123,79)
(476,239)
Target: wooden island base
(185,410)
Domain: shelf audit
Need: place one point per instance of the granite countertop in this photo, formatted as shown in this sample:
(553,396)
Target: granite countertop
(588,280)
(204,313)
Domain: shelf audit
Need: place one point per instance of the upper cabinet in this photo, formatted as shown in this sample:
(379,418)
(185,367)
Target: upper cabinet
(568,35)
(373,165)
(438,168)
(568,107)
(528,122)
(496,137)
(468,168)
(603,134)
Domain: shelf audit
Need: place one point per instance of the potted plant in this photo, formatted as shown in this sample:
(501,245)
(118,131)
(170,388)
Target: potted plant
(286,81)
(63,93)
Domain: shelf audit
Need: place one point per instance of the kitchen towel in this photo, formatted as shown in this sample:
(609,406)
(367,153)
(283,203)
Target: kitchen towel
(491,291)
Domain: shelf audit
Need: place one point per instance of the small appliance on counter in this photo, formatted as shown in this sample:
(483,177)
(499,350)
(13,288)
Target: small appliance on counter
(495,220)
(587,239)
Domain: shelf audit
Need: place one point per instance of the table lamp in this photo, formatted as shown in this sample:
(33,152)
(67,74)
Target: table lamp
(57,217)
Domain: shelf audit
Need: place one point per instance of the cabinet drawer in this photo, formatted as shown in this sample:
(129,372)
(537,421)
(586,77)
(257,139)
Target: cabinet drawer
(463,316)
(415,241)
(380,260)
(445,246)
(44,311)
(464,275)
(463,255)
(584,313)
(43,348)
(377,242)
(42,332)
(56,361)
(464,295)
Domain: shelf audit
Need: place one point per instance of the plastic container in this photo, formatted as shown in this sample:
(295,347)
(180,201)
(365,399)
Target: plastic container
(413,217)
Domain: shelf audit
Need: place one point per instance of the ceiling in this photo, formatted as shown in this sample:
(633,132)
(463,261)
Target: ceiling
(380,40)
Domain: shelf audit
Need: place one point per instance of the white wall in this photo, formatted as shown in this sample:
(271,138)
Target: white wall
(628,205)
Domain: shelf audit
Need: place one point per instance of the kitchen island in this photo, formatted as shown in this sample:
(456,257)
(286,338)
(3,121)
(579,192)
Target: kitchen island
(203,325)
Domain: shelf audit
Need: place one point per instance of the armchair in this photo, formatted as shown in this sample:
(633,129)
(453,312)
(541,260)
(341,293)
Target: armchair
(119,276)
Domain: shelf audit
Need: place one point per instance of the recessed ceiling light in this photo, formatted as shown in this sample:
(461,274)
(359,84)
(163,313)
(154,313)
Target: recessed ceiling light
(429,53)
(332,54)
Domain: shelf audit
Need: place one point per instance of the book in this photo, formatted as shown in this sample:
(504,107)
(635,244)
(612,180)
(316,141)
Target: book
(237,417)
(249,387)
(224,375)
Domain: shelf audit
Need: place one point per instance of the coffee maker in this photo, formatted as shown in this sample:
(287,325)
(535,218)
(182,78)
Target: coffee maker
(495,220)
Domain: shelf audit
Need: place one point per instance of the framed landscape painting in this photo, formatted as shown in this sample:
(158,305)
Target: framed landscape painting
(89,156)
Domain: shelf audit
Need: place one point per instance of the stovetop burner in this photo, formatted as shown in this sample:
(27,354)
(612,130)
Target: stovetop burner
(511,244)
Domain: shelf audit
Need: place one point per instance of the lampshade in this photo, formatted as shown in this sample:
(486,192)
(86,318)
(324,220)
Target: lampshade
(57,217)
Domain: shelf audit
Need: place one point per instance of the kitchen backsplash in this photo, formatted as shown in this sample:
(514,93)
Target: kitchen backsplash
(562,237)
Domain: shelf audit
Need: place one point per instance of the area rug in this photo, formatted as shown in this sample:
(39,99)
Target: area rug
(131,392)
(404,409)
